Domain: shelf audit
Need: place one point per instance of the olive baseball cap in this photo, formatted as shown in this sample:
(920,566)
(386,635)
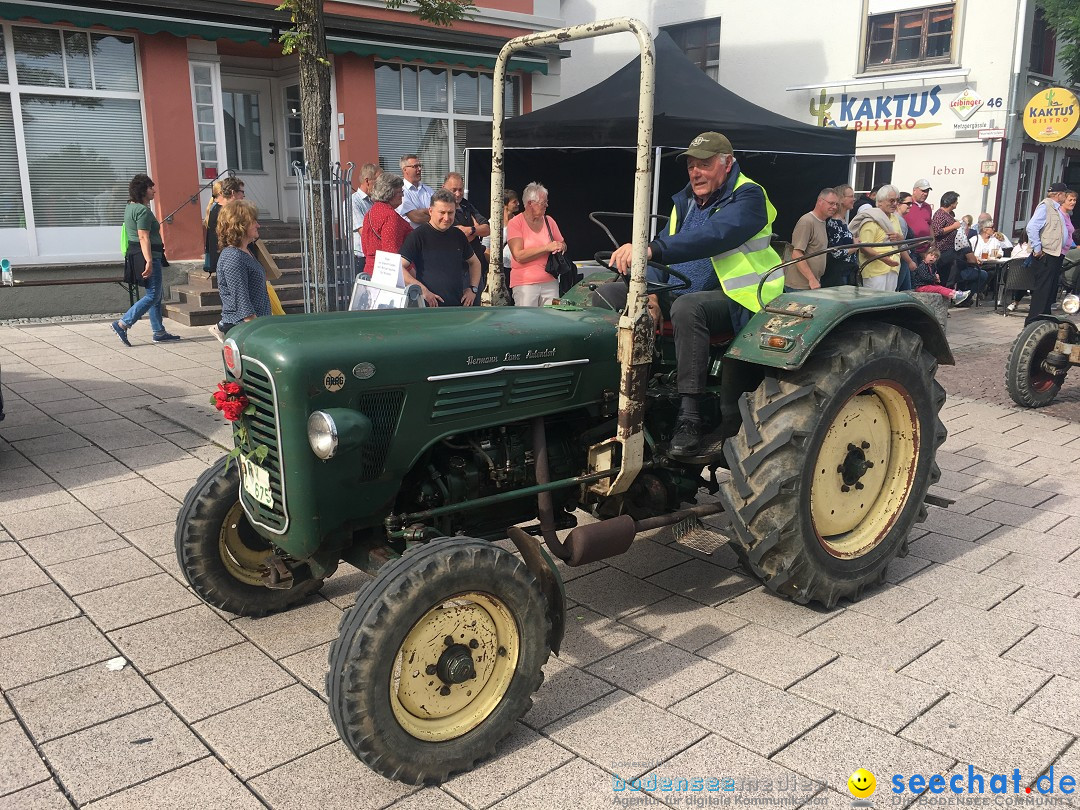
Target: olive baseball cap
(706,145)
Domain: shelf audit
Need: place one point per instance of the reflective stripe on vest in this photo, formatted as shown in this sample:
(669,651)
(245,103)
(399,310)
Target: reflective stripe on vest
(741,269)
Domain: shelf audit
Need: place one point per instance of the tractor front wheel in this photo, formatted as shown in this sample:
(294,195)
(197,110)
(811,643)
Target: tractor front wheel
(223,558)
(1029,384)
(832,463)
(438,659)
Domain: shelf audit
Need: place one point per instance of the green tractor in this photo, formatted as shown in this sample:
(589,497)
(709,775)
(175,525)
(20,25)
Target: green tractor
(405,442)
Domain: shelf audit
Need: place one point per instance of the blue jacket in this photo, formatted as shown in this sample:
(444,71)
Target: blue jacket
(735,219)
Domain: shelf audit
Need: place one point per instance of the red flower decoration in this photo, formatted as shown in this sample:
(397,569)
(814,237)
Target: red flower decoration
(234,408)
(230,400)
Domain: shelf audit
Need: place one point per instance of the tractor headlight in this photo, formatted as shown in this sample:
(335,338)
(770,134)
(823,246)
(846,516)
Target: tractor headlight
(1071,303)
(337,430)
(322,434)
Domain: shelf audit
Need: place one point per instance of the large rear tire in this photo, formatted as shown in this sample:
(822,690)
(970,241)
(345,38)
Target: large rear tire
(220,553)
(1029,384)
(438,659)
(832,463)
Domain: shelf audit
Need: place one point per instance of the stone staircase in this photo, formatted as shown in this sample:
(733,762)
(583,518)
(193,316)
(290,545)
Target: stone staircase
(198,303)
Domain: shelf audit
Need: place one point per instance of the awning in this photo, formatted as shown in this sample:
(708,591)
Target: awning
(214,27)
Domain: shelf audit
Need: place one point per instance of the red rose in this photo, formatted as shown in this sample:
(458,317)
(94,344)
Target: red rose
(233,389)
(234,409)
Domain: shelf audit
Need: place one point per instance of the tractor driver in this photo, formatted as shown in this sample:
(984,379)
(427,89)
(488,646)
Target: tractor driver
(720,230)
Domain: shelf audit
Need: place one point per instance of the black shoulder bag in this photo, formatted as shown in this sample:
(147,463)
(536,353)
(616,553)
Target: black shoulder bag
(557,264)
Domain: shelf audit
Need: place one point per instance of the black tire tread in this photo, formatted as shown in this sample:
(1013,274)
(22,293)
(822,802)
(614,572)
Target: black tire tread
(197,529)
(375,618)
(1017,370)
(764,487)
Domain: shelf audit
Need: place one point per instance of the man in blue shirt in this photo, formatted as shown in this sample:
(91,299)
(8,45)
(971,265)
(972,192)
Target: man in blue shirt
(416,197)
(1046,233)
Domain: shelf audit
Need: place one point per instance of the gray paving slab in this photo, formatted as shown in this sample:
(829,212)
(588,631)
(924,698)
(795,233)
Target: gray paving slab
(871,639)
(954,524)
(20,573)
(103,570)
(305,626)
(621,727)
(34,607)
(332,774)
(431,798)
(891,603)
(25,525)
(20,765)
(963,554)
(1062,578)
(1043,608)
(239,735)
(1045,546)
(1050,650)
(42,796)
(133,602)
(657,672)
(979,630)
(1057,704)
(577,784)
(703,582)
(207,779)
(310,667)
(684,623)
(752,714)
(565,690)
(590,637)
(122,752)
(614,593)
(948,582)
(986,737)
(768,655)
(831,751)
(174,638)
(872,694)
(988,679)
(79,699)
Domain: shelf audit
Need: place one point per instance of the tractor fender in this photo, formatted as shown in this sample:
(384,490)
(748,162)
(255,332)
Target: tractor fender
(786,334)
(543,568)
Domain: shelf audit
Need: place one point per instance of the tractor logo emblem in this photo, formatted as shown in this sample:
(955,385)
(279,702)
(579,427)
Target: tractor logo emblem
(334,380)
(363,371)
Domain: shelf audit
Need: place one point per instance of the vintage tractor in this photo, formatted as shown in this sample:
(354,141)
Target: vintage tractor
(1041,356)
(405,441)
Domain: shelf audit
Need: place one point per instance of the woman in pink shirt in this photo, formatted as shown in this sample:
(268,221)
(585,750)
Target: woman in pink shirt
(532,236)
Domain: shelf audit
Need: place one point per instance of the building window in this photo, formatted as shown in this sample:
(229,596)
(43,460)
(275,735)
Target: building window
(294,127)
(872,173)
(424,110)
(700,41)
(1043,45)
(904,38)
(75,97)
(204,83)
(243,131)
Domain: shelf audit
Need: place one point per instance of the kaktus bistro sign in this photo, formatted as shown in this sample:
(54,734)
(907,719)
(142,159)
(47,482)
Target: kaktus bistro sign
(1051,115)
(899,111)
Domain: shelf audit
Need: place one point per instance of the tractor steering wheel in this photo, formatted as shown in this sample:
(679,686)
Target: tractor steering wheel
(651,287)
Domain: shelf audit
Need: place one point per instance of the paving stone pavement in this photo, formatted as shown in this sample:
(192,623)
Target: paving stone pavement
(675,665)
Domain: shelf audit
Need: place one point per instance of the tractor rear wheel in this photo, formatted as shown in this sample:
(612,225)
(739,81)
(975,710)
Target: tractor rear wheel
(832,463)
(438,659)
(1029,384)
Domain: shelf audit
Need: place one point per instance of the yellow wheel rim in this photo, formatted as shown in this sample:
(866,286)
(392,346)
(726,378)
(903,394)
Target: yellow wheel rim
(241,560)
(454,667)
(865,469)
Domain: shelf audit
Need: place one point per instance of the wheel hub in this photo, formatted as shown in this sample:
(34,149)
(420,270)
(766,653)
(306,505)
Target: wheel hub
(456,665)
(864,469)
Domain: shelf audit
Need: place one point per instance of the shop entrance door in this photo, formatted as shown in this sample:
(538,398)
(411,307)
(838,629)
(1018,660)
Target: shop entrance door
(249,140)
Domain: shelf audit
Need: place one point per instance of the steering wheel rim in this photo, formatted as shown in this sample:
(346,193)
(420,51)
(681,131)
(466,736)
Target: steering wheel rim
(651,287)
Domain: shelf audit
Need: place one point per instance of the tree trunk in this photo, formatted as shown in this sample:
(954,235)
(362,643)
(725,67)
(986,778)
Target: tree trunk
(315,121)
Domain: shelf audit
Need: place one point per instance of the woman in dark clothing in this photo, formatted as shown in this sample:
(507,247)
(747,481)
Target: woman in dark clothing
(943,226)
(241,280)
(230,188)
(840,264)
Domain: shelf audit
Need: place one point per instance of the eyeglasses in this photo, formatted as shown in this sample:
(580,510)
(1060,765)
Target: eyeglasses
(906,202)
(414,166)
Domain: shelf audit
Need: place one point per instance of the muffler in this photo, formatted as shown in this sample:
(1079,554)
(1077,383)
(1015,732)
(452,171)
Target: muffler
(608,538)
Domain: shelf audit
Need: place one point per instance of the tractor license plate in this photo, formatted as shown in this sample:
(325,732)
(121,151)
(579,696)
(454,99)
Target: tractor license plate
(256,482)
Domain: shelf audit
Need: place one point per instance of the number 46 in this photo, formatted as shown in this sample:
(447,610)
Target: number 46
(994,102)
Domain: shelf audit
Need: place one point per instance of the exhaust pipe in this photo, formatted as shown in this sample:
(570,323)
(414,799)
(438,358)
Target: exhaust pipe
(608,538)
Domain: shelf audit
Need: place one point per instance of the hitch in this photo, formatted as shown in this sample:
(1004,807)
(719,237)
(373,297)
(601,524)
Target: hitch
(277,575)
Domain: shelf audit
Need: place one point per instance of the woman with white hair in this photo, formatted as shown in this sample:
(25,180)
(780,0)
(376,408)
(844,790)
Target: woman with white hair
(880,224)
(532,236)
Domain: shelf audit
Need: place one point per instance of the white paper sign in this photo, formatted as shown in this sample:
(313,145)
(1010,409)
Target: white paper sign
(387,270)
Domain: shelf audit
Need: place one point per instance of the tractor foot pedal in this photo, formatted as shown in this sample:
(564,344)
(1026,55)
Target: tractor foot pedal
(710,453)
(699,536)
(277,575)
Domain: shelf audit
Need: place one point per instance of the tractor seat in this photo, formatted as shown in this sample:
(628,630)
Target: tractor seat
(718,339)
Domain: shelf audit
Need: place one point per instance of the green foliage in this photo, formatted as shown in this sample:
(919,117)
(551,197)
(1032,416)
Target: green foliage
(1064,17)
(438,12)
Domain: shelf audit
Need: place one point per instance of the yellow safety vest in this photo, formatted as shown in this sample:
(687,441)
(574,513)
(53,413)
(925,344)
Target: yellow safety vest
(741,269)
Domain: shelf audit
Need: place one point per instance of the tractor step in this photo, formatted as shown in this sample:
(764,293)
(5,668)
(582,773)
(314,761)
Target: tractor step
(710,454)
(699,536)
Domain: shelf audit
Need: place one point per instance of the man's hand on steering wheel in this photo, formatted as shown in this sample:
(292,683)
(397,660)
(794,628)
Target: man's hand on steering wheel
(624,255)
(608,261)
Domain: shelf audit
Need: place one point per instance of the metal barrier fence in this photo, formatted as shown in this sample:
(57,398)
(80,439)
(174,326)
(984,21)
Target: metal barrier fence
(326,236)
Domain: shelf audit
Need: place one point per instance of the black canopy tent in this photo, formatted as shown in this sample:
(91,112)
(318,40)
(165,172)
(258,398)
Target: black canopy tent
(582,148)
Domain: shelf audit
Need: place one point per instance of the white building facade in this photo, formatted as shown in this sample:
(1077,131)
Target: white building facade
(919,81)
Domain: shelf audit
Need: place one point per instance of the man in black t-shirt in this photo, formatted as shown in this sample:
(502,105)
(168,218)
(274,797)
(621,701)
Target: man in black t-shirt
(437,256)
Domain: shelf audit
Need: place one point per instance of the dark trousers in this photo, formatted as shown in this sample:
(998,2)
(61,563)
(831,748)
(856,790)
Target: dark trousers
(1047,276)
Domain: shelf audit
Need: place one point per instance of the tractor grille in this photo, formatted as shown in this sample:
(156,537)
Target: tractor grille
(262,429)
(383,408)
(484,394)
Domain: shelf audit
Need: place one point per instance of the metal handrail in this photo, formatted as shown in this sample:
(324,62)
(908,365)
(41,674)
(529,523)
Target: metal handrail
(195,197)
